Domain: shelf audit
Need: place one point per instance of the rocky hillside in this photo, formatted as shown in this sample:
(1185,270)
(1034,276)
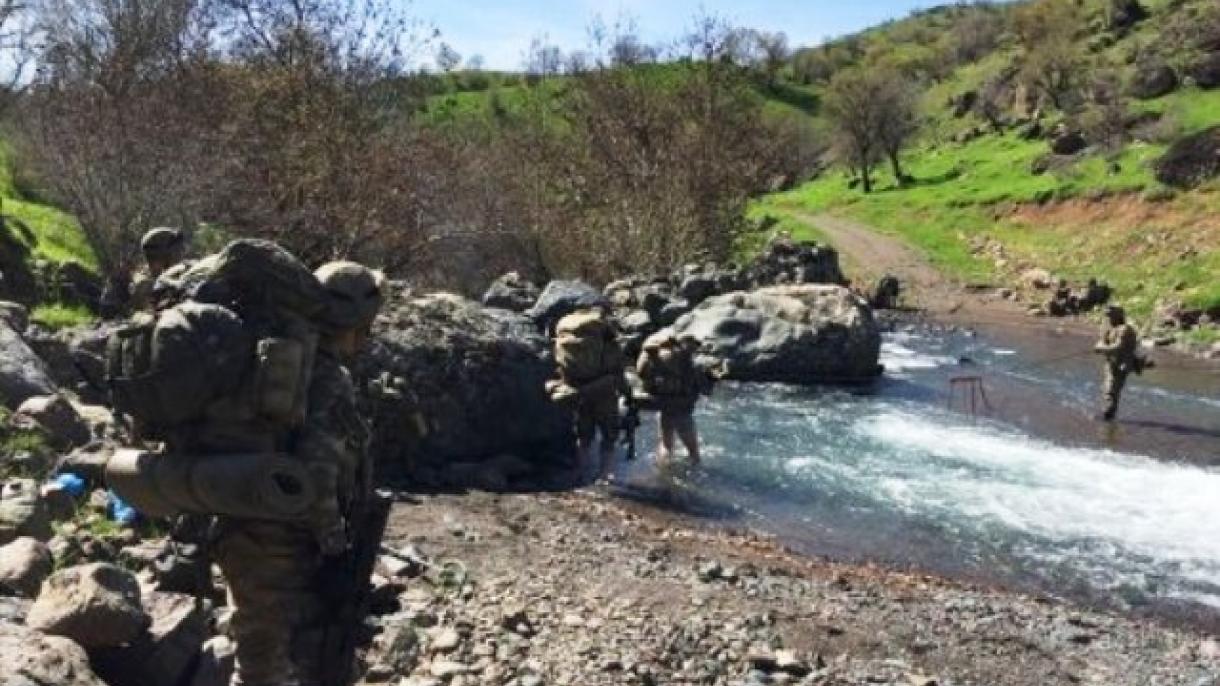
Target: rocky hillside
(1118,185)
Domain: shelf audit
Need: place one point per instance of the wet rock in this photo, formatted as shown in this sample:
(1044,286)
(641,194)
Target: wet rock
(217,659)
(96,605)
(1192,160)
(561,298)
(28,658)
(511,292)
(788,334)
(449,381)
(165,653)
(64,427)
(22,374)
(24,565)
(22,511)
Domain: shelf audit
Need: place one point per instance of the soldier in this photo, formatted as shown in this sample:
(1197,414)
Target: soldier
(279,457)
(674,382)
(1118,344)
(1062,303)
(163,248)
(592,379)
(273,568)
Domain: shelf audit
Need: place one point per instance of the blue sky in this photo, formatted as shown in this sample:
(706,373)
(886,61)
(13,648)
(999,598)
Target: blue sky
(501,31)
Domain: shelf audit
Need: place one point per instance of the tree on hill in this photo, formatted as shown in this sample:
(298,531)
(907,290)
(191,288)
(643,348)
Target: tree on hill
(447,58)
(1051,61)
(773,53)
(874,116)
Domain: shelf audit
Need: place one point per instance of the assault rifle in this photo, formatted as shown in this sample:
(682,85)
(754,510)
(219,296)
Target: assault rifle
(631,422)
(348,589)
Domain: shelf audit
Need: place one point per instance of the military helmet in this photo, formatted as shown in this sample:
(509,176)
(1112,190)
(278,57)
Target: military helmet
(161,242)
(355,293)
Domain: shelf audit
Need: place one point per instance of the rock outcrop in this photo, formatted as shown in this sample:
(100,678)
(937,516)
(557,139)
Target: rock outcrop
(791,334)
(28,658)
(97,605)
(511,292)
(1192,160)
(22,374)
(1153,81)
(451,381)
(62,424)
(22,511)
(561,298)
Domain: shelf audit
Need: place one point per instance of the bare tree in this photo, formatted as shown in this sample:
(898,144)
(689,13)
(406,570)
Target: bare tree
(857,114)
(773,53)
(16,28)
(897,105)
(1051,61)
(112,123)
(447,58)
(976,33)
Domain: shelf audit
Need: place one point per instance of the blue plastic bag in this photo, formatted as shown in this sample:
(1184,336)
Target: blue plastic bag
(73,484)
(120,511)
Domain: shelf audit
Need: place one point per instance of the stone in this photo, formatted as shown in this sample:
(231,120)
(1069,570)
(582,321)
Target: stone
(97,605)
(59,501)
(165,653)
(28,658)
(1191,161)
(448,669)
(787,661)
(57,417)
(1153,81)
(802,334)
(23,374)
(217,659)
(1040,279)
(1068,142)
(1206,71)
(24,565)
(445,640)
(449,381)
(16,315)
(511,292)
(561,298)
(22,511)
(517,620)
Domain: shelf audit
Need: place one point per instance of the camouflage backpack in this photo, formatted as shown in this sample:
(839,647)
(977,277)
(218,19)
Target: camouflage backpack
(585,347)
(243,333)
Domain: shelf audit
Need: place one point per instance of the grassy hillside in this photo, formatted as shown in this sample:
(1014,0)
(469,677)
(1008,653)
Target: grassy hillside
(1102,214)
(51,235)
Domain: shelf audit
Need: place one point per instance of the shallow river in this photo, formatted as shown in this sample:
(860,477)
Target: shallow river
(1029,493)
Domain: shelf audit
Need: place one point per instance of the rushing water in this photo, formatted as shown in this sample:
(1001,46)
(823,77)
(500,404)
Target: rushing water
(1030,493)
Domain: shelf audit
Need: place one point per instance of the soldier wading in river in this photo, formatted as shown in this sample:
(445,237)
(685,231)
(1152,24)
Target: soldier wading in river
(244,386)
(1119,343)
(673,383)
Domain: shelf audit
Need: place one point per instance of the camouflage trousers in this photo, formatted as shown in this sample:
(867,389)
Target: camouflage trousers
(272,574)
(1114,377)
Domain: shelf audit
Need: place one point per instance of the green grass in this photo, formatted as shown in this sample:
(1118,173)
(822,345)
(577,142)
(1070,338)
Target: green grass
(60,315)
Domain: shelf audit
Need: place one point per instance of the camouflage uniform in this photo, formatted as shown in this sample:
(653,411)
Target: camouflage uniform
(1118,344)
(669,375)
(598,386)
(163,248)
(274,570)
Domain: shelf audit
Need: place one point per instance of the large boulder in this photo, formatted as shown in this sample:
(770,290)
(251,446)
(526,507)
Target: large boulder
(561,298)
(1192,160)
(16,315)
(22,374)
(1153,81)
(97,605)
(1068,142)
(57,417)
(792,334)
(166,653)
(24,565)
(454,381)
(511,292)
(1123,14)
(28,658)
(23,512)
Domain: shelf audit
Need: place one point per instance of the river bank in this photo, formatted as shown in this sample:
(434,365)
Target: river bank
(580,588)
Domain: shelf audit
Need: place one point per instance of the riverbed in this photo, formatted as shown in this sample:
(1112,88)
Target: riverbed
(1021,489)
